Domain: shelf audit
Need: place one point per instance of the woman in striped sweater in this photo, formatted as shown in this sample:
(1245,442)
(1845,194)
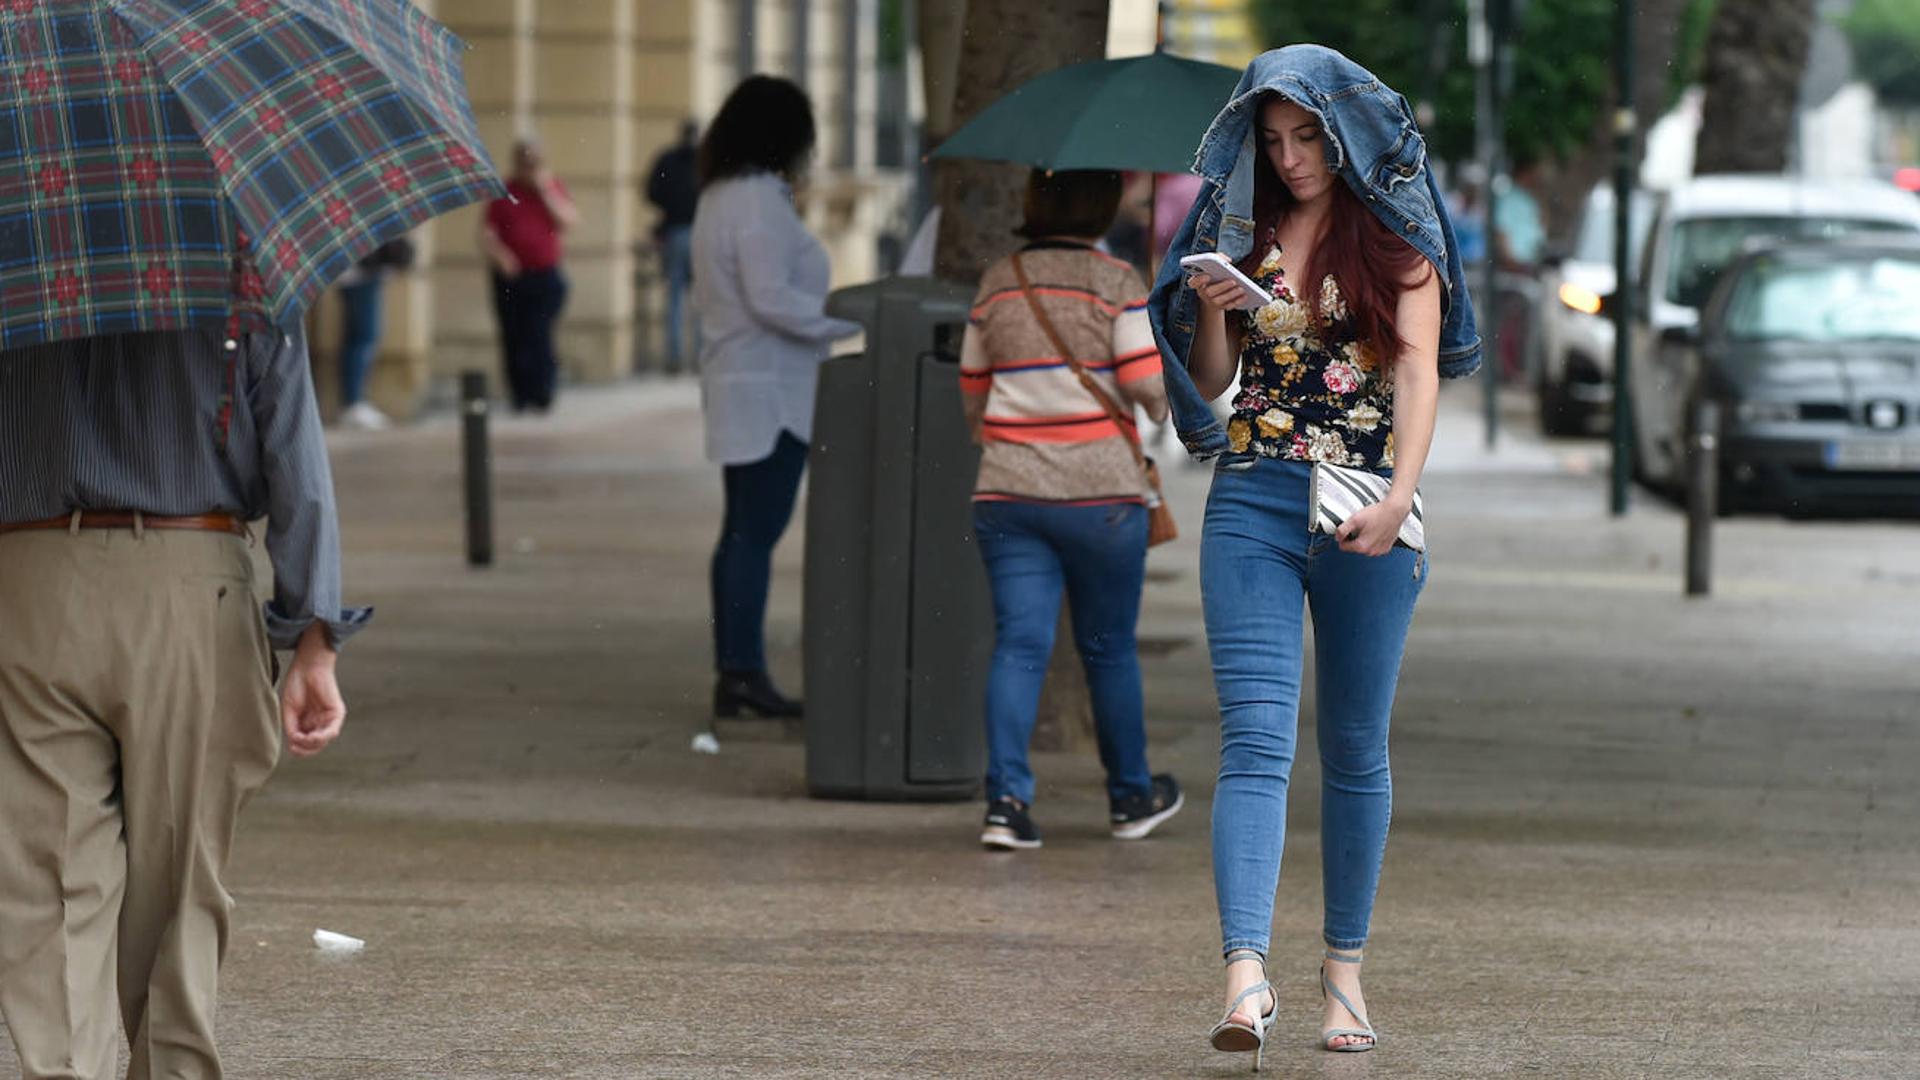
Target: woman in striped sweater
(1060,503)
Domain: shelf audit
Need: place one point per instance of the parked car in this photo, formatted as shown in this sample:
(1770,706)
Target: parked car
(1699,229)
(1575,378)
(1812,351)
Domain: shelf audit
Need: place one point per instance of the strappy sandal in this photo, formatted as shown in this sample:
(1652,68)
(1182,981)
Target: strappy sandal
(1235,1037)
(1365,1031)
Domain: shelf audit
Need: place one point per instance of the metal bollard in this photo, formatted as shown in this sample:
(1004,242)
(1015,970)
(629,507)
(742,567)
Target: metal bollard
(1703,495)
(477,466)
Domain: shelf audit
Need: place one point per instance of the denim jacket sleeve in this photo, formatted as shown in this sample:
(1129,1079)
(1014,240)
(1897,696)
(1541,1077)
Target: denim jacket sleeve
(1459,336)
(1171,310)
(1168,308)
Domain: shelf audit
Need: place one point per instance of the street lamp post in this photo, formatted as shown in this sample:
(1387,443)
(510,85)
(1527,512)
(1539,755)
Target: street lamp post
(1625,125)
(1481,46)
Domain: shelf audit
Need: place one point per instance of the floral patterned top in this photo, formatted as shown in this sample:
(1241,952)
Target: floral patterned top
(1307,392)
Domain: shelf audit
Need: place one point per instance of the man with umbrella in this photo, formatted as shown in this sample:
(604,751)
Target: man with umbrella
(155,238)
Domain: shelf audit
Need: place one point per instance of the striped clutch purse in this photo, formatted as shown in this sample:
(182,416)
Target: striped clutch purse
(1339,492)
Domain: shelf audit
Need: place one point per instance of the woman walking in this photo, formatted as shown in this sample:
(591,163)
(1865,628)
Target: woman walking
(1057,354)
(759,288)
(1368,312)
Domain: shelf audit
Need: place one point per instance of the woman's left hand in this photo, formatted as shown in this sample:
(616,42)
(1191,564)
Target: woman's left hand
(1373,529)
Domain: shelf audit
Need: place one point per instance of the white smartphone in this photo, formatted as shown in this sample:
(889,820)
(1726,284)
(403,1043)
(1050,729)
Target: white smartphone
(1215,267)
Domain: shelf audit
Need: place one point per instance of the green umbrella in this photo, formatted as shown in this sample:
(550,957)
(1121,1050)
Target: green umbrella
(1144,113)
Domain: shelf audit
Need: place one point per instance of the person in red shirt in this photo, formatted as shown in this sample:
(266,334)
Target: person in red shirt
(521,238)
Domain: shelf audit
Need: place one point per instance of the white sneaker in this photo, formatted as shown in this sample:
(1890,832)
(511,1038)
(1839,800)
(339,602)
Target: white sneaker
(362,416)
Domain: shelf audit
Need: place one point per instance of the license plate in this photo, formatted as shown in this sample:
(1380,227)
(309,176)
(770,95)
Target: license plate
(1902,456)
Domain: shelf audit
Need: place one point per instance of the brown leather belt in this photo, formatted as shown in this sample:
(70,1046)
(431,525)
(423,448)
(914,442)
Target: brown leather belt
(129,519)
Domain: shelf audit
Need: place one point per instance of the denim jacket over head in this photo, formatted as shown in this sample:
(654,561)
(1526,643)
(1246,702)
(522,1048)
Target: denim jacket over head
(1372,143)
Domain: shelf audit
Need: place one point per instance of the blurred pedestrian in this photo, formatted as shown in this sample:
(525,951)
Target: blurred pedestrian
(1130,238)
(1056,357)
(1342,223)
(360,306)
(1173,196)
(1519,241)
(759,290)
(137,703)
(1519,232)
(520,236)
(1469,225)
(673,186)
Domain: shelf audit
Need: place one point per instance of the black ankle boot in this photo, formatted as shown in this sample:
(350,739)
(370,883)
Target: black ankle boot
(753,692)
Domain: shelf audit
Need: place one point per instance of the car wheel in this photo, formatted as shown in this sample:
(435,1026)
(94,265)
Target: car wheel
(1561,415)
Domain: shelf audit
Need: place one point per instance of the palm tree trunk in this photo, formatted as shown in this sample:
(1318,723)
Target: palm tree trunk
(1756,54)
(1002,44)
(1005,43)
(1656,34)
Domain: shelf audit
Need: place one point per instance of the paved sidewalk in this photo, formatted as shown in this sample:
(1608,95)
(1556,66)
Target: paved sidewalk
(1635,836)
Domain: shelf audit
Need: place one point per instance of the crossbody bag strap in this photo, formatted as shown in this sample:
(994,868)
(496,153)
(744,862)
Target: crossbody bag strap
(1060,346)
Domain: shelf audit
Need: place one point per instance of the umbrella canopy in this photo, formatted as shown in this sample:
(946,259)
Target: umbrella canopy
(1143,112)
(216,163)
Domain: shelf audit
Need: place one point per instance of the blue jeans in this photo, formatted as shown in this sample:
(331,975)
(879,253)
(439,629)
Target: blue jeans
(676,259)
(1098,556)
(359,333)
(1258,568)
(760,498)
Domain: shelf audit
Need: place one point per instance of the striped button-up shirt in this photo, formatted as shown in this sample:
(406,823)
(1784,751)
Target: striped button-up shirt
(175,424)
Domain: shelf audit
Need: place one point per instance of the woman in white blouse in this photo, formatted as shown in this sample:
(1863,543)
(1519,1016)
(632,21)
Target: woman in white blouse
(759,285)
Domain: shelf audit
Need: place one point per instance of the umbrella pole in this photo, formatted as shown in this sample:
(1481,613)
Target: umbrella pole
(1153,229)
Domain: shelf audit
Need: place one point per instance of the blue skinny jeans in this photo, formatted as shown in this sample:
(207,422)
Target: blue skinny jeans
(1097,556)
(1259,568)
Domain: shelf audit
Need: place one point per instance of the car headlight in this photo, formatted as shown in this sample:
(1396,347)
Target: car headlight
(1767,412)
(1580,298)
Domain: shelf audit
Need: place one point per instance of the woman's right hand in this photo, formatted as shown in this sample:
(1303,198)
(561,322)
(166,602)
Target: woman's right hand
(1218,297)
(1211,361)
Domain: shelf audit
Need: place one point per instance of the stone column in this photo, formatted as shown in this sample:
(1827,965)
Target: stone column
(402,365)
(582,110)
(454,286)
(668,68)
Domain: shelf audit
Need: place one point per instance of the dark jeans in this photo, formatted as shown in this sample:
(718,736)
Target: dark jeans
(760,499)
(527,307)
(1097,555)
(676,258)
(359,333)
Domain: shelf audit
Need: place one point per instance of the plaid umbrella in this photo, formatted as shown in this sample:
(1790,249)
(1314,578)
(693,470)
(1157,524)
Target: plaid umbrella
(174,163)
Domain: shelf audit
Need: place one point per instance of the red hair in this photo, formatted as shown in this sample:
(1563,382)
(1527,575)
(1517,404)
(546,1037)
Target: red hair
(1371,263)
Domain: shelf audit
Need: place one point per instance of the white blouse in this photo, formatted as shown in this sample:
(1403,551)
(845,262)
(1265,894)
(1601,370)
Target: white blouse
(759,286)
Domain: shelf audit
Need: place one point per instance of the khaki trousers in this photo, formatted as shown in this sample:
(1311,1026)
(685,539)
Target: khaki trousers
(137,715)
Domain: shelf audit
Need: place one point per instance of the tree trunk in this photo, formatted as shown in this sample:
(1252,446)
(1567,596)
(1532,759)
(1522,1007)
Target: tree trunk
(942,25)
(1756,54)
(1002,44)
(1656,40)
(1006,42)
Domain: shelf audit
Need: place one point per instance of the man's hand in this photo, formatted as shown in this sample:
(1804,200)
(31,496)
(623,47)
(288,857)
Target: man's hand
(1373,529)
(310,704)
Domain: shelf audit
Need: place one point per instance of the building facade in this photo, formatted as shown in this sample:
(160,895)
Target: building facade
(605,85)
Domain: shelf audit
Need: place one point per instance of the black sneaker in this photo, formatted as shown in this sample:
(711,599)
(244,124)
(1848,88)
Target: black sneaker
(1008,828)
(1137,815)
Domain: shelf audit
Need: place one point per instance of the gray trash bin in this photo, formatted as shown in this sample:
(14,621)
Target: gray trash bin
(898,616)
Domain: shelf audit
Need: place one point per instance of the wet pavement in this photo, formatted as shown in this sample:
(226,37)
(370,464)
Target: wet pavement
(1634,835)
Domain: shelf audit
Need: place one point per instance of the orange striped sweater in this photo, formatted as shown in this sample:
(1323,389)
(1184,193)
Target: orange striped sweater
(1045,437)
